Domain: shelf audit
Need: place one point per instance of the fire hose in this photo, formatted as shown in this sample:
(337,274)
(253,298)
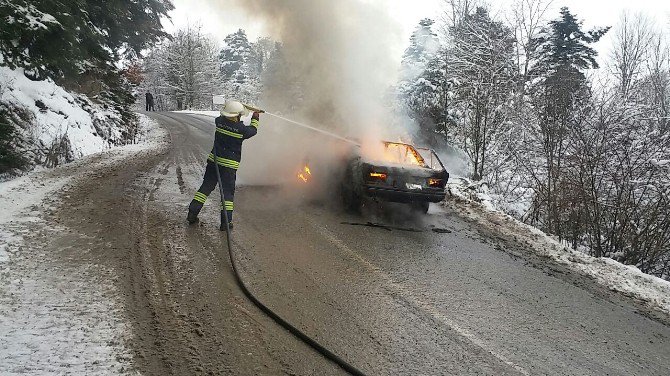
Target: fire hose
(303,125)
(265,309)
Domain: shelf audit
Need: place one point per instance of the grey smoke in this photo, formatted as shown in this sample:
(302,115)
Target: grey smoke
(340,55)
(338,52)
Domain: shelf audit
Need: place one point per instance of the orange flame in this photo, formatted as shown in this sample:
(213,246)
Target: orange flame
(305,174)
(392,152)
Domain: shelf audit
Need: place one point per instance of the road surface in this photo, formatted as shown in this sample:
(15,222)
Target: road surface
(391,302)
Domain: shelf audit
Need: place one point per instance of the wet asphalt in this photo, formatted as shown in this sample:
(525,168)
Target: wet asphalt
(429,295)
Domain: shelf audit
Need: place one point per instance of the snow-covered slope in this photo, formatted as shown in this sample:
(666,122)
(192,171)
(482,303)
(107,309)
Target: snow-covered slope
(55,126)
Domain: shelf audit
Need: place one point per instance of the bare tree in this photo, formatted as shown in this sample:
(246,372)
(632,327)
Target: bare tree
(527,19)
(658,90)
(632,40)
(456,11)
(184,72)
(482,68)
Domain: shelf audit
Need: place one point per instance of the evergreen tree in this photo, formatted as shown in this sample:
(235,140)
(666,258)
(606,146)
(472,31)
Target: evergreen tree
(282,88)
(243,64)
(234,56)
(62,39)
(423,45)
(259,55)
(421,78)
(9,158)
(564,52)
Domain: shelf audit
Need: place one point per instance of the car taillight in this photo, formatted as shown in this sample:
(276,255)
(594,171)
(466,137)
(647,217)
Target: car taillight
(435,183)
(378,176)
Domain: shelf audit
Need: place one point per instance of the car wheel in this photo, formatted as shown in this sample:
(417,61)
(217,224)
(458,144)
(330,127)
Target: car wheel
(352,202)
(420,207)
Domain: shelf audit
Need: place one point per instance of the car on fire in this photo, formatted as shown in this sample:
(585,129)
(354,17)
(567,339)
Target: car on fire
(394,172)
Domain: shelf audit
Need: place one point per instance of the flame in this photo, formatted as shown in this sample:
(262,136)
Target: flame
(305,174)
(393,152)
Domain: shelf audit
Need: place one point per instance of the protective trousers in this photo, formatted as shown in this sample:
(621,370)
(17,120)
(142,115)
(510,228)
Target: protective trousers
(209,182)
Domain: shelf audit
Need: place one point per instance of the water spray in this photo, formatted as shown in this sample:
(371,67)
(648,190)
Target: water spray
(256,109)
(314,129)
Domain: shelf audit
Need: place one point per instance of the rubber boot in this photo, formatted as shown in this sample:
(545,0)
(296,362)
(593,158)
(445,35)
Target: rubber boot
(192,217)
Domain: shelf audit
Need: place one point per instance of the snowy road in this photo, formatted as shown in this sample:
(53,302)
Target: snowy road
(389,301)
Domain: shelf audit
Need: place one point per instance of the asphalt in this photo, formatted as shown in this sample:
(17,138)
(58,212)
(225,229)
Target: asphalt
(418,296)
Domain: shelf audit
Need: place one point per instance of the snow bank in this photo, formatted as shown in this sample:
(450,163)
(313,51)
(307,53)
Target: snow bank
(58,317)
(55,125)
(472,200)
(206,113)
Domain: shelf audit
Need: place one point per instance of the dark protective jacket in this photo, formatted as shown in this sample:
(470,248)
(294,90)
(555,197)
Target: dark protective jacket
(228,141)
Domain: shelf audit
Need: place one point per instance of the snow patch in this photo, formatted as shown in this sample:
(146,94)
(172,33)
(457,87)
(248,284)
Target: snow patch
(206,113)
(58,317)
(31,17)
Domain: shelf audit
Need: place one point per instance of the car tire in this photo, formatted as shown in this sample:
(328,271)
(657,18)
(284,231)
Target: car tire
(352,202)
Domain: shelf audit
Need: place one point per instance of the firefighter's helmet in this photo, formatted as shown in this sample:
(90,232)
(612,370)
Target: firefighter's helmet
(233,109)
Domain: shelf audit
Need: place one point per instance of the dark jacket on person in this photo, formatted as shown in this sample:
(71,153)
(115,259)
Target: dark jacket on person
(228,141)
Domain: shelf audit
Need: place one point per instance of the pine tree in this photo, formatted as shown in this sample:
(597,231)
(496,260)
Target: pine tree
(234,56)
(260,53)
(564,52)
(423,45)
(420,86)
(243,64)
(281,87)
(93,33)
(9,157)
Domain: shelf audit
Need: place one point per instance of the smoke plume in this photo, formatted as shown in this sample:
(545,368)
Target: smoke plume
(338,66)
(338,53)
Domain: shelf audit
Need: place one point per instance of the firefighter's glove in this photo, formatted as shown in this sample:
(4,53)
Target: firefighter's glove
(256,116)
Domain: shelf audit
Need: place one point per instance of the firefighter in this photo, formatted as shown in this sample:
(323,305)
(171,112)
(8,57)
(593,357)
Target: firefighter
(230,133)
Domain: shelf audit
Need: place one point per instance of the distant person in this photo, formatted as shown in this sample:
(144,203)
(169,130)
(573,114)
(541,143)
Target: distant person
(150,102)
(229,135)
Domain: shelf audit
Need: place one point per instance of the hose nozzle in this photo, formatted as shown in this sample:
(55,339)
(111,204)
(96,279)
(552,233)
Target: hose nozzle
(253,108)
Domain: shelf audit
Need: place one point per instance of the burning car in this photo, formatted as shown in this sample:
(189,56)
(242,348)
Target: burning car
(394,172)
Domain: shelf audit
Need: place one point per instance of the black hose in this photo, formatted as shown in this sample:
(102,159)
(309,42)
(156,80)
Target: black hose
(278,319)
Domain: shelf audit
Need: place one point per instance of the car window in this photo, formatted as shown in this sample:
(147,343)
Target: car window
(403,154)
(430,158)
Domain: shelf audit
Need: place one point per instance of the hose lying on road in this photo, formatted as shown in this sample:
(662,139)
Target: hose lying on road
(278,319)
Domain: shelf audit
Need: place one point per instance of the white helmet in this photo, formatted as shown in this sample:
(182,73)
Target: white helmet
(233,109)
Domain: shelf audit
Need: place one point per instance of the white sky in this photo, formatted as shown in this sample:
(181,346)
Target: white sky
(407,14)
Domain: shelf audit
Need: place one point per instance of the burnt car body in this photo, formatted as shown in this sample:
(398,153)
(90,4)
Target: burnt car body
(403,174)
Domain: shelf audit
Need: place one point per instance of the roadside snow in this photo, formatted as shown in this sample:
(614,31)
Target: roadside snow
(475,203)
(206,113)
(58,317)
(56,126)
